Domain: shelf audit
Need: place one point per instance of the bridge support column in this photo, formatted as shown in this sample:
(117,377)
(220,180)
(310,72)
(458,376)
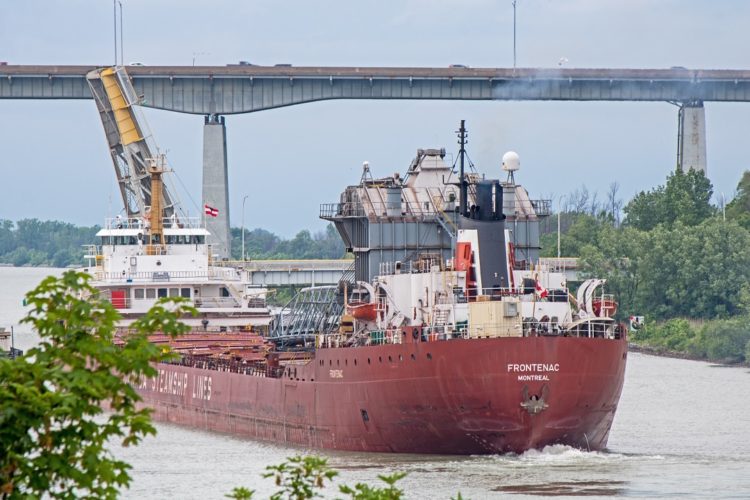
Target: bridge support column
(215,184)
(691,137)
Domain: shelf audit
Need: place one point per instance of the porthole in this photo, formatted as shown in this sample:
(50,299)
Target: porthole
(355,362)
(429,356)
(368,361)
(390,359)
(413,357)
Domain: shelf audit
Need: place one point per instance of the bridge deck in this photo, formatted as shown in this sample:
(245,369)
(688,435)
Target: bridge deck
(241,89)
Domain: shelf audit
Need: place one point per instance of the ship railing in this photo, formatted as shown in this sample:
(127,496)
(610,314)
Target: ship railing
(541,207)
(258,368)
(498,293)
(378,209)
(559,264)
(215,302)
(142,222)
(202,302)
(212,273)
(424,264)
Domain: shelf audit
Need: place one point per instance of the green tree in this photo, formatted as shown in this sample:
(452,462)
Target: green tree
(686,198)
(54,435)
(305,477)
(615,255)
(739,208)
(726,340)
(695,272)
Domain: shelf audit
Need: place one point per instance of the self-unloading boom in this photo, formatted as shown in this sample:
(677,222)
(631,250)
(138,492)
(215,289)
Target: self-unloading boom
(131,148)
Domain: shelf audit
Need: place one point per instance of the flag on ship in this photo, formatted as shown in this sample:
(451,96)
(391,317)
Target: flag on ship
(213,212)
(540,290)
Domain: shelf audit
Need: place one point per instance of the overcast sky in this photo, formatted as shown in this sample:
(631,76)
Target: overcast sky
(55,163)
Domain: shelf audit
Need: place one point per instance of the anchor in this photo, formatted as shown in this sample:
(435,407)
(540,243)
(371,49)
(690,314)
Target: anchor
(535,403)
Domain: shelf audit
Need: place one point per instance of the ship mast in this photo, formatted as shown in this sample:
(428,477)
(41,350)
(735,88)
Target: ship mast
(462,194)
(155,218)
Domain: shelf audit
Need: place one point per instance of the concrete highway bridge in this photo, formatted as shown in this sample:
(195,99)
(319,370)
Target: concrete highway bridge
(214,91)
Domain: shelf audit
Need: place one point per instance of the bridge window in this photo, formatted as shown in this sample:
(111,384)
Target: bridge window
(161,293)
(138,293)
(174,292)
(185,293)
(224,292)
(150,293)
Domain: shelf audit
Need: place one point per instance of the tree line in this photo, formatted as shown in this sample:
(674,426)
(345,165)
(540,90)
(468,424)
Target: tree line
(31,242)
(674,258)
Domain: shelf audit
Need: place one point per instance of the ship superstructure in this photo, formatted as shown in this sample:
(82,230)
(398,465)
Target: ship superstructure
(142,259)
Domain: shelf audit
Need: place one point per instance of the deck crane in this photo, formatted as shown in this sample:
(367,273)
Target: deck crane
(130,144)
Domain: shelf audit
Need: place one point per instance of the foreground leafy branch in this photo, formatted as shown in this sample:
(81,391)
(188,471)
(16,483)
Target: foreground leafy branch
(54,434)
(302,478)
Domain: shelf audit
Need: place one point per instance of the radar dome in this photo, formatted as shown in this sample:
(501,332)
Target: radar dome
(511,162)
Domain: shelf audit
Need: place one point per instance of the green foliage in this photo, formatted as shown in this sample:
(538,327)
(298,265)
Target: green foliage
(739,208)
(281,296)
(362,491)
(241,493)
(300,477)
(673,335)
(305,477)
(697,272)
(726,340)
(262,244)
(53,432)
(686,198)
(43,243)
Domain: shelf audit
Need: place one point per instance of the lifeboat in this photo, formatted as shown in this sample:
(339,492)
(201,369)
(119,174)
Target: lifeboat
(363,311)
(604,307)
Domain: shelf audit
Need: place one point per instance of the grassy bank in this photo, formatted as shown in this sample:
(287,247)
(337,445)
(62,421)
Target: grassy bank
(722,340)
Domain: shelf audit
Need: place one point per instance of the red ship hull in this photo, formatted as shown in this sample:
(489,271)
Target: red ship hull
(459,396)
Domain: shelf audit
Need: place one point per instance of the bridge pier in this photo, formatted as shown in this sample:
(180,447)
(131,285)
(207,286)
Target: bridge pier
(691,136)
(215,184)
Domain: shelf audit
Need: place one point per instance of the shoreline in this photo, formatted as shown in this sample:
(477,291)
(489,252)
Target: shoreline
(663,353)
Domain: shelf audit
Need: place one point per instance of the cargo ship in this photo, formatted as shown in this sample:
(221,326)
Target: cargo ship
(448,336)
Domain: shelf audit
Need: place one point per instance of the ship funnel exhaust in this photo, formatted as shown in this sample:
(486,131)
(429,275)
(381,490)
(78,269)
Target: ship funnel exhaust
(482,232)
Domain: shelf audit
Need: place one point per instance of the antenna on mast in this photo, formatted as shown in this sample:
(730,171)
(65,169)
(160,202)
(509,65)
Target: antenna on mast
(462,179)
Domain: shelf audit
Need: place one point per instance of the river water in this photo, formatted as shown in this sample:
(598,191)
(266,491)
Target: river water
(682,430)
